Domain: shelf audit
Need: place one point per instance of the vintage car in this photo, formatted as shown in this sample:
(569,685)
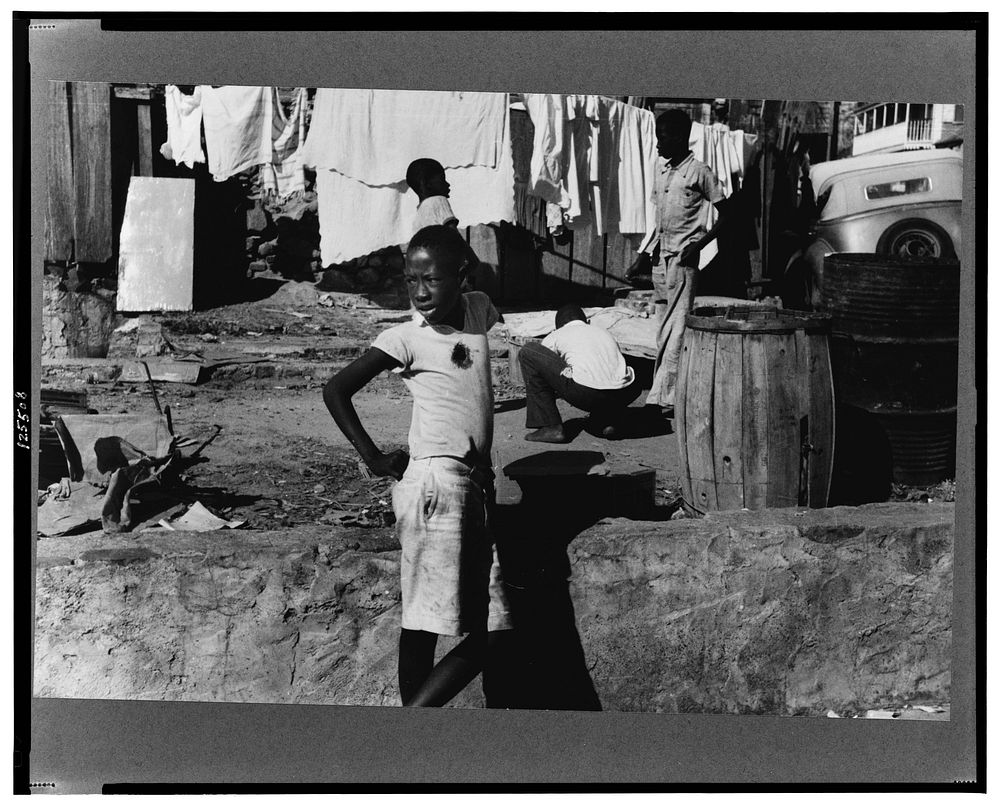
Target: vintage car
(905,204)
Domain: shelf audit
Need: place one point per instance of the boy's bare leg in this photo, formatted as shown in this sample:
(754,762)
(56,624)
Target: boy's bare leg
(455,671)
(416,661)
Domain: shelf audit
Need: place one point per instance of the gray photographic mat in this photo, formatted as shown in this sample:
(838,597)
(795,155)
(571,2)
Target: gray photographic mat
(80,745)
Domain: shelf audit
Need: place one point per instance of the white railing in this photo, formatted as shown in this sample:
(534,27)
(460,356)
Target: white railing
(918,131)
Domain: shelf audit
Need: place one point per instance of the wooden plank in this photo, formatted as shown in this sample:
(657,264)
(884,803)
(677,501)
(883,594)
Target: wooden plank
(699,423)
(803,359)
(821,420)
(519,266)
(680,412)
(784,446)
(588,257)
(61,197)
(486,278)
(91,120)
(156,260)
(136,92)
(144,132)
(164,370)
(755,422)
(621,253)
(728,420)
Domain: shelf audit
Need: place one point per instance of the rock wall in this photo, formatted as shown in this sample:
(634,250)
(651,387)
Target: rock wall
(771,612)
(75,325)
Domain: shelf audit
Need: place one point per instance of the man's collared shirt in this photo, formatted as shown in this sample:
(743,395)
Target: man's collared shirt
(680,192)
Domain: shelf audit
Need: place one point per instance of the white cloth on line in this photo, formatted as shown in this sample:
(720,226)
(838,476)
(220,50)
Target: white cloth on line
(284,174)
(239,125)
(184,115)
(356,218)
(722,150)
(637,172)
(372,135)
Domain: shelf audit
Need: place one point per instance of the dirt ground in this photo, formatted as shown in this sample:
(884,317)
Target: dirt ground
(279,460)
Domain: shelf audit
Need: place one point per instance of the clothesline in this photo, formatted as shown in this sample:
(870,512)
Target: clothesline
(593,158)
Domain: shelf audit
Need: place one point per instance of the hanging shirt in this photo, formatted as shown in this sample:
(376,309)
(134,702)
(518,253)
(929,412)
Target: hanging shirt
(284,174)
(372,135)
(637,170)
(550,148)
(184,115)
(239,125)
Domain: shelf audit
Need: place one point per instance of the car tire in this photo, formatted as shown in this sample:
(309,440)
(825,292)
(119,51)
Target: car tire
(916,237)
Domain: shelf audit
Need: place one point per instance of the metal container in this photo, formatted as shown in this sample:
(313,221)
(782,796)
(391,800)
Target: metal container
(894,350)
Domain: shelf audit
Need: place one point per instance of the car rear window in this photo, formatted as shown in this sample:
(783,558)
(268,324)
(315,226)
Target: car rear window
(903,187)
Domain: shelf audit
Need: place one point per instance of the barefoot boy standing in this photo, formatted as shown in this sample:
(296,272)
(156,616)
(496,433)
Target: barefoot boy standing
(450,578)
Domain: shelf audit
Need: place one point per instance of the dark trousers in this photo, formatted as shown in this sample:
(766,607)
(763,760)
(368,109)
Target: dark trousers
(544,384)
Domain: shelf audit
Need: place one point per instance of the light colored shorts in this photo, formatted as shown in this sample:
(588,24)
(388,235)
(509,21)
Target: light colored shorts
(450,576)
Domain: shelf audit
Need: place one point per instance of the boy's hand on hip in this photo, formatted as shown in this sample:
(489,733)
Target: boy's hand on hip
(390,464)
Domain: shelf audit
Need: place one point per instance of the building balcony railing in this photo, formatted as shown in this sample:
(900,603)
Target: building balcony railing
(918,131)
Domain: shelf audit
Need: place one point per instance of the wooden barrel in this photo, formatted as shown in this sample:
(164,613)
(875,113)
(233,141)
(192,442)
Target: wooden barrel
(754,409)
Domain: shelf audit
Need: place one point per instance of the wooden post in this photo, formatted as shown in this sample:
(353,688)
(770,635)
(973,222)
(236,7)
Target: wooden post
(144,132)
(91,120)
(61,192)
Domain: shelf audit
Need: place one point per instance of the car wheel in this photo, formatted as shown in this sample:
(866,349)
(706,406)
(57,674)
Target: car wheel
(916,237)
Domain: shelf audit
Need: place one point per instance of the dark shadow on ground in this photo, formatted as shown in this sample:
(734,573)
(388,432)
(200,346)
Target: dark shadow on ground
(547,666)
(509,405)
(254,290)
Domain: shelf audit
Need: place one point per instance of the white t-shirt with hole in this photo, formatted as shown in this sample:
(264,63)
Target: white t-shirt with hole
(448,373)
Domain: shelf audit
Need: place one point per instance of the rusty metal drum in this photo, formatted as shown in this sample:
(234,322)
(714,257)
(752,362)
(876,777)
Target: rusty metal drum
(894,351)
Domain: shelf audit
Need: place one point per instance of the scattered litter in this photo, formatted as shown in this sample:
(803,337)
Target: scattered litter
(78,511)
(167,371)
(254,334)
(326,300)
(831,714)
(199,518)
(299,315)
(363,469)
(319,489)
(928,709)
(210,338)
(881,714)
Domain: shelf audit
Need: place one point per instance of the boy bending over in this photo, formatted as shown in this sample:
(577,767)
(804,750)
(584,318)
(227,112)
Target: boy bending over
(450,581)
(579,363)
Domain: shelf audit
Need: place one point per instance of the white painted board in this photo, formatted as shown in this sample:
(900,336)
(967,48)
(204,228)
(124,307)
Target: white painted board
(156,252)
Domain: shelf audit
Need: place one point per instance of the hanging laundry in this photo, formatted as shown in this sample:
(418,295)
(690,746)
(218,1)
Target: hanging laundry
(550,155)
(184,114)
(637,169)
(285,174)
(239,124)
(358,217)
(717,147)
(565,156)
(372,135)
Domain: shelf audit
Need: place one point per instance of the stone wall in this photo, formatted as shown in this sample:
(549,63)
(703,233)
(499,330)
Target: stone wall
(775,612)
(75,324)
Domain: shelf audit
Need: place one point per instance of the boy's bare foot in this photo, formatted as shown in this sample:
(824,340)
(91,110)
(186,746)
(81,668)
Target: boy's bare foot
(550,433)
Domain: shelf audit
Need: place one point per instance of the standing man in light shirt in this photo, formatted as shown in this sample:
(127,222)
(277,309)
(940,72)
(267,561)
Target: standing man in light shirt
(683,186)
(579,363)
